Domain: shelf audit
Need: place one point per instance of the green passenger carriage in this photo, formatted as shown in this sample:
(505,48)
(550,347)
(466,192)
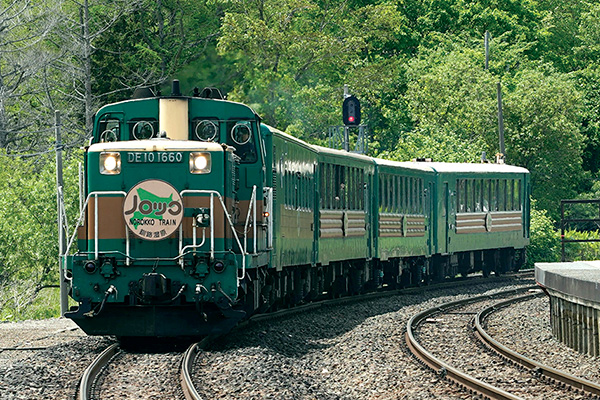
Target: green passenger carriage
(196,215)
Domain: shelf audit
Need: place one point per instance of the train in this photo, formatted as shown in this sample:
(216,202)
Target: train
(196,215)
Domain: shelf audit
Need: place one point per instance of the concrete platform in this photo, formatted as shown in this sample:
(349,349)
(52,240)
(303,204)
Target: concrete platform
(574,290)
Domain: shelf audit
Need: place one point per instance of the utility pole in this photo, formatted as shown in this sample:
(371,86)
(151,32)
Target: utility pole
(62,245)
(500,156)
(486,42)
(346,136)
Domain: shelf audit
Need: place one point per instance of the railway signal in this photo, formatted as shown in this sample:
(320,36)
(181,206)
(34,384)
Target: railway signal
(351,111)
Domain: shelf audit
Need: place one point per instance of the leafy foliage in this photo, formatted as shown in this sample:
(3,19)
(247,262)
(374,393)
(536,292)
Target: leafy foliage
(28,233)
(545,243)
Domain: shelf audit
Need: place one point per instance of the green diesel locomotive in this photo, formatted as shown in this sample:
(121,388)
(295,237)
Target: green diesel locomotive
(196,216)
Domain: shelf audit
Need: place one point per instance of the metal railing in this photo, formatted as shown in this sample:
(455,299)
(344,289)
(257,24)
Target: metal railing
(567,221)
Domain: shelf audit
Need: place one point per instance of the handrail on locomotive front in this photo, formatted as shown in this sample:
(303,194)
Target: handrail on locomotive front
(182,248)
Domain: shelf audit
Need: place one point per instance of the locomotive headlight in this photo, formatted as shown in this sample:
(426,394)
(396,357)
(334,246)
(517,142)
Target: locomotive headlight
(200,163)
(110,163)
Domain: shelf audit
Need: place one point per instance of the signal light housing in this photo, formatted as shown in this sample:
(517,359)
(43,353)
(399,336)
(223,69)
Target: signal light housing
(351,111)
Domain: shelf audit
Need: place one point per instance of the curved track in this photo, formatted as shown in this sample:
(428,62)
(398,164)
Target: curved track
(194,350)
(552,374)
(444,369)
(562,381)
(89,375)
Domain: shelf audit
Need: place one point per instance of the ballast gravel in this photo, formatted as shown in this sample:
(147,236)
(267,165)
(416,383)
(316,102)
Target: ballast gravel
(132,375)
(44,359)
(353,352)
(526,327)
(356,351)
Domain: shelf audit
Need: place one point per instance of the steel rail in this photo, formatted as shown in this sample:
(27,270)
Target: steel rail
(92,371)
(445,369)
(187,385)
(187,364)
(536,367)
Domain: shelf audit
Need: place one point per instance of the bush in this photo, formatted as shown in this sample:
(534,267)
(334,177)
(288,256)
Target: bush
(545,241)
(29,234)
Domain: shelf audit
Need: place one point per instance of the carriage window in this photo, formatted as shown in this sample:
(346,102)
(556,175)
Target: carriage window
(469,196)
(403,194)
(501,195)
(385,193)
(509,195)
(110,130)
(486,195)
(477,196)
(351,190)
(330,194)
(390,193)
(421,197)
(494,194)
(361,189)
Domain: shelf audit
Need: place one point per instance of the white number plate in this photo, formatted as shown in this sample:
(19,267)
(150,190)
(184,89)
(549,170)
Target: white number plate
(155,157)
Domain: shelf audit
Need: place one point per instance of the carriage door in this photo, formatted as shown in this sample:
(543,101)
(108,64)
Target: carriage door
(368,186)
(429,218)
(445,218)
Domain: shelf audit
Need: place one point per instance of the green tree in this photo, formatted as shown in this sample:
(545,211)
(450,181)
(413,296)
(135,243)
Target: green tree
(28,232)
(294,56)
(542,120)
(147,46)
(452,101)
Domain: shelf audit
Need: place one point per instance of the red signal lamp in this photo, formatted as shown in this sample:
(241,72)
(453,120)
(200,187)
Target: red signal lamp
(351,111)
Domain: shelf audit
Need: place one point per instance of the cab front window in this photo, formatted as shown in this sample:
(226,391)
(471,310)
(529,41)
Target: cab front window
(109,130)
(241,135)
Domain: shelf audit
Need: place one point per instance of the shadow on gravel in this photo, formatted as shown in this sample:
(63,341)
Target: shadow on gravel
(322,328)
(154,345)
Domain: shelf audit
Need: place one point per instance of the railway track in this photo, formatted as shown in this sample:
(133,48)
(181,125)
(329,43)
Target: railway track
(89,376)
(185,376)
(542,379)
(119,374)
(552,374)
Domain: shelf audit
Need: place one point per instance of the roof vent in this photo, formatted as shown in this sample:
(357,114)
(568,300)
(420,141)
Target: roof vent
(422,159)
(211,93)
(142,93)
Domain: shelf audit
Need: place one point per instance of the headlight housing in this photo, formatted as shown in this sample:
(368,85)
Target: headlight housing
(200,163)
(110,163)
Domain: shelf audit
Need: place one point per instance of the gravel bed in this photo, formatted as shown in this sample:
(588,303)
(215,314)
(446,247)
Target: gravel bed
(525,328)
(449,336)
(141,376)
(351,352)
(51,373)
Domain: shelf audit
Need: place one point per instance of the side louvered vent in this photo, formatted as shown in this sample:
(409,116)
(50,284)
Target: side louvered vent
(274,184)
